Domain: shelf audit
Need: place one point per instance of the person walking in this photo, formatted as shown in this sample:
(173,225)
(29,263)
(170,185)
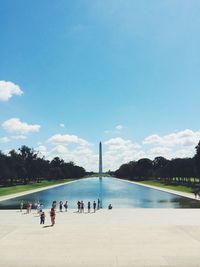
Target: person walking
(88,206)
(42,217)
(94,206)
(53,216)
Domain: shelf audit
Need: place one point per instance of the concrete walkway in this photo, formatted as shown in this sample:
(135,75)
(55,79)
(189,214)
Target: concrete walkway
(121,237)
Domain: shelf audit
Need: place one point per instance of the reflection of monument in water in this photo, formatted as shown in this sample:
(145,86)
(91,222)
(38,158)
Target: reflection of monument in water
(100,160)
(100,175)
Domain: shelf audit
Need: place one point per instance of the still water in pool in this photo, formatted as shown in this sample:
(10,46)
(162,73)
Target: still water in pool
(119,193)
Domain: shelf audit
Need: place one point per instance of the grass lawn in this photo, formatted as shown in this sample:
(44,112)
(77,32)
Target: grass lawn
(21,188)
(180,188)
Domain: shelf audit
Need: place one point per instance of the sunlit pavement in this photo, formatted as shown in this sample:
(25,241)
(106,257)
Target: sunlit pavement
(119,237)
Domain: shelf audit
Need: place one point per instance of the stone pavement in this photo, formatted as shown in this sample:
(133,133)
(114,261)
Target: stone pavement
(120,237)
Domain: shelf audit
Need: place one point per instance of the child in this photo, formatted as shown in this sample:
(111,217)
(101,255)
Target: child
(42,217)
(109,206)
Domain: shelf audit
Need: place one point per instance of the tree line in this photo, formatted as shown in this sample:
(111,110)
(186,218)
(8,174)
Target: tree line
(178,170)
(25,166)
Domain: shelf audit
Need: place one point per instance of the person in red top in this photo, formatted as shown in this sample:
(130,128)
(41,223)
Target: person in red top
(53,216)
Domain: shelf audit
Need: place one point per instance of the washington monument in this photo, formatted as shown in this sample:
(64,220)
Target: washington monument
(100,159)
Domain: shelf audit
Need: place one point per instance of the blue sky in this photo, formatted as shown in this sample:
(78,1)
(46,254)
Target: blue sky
(124,72)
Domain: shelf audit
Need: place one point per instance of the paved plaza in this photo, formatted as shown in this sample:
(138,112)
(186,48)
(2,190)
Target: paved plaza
(118,237)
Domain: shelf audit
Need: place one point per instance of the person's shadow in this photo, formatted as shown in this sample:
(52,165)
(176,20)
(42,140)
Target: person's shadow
(46,226)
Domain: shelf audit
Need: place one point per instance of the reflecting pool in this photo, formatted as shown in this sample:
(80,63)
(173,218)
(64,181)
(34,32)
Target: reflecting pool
(109,190)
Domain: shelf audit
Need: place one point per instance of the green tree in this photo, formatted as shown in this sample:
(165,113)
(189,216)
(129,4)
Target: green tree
(197,160)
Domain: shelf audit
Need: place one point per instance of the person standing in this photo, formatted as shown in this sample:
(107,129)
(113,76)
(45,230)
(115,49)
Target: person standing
(60,205)
(89,207)
(82,206)
(28,207)
(53,216)
(42,217)
(79,206)
(94,206)
(66,205)
(21,205)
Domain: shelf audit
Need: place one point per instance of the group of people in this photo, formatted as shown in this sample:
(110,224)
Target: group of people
(28,206)
(80,206)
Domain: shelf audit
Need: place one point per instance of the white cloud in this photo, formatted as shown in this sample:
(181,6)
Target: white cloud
(4,140)
(14,125)
(160,151)
(183,138)
(119,151)
(183,153)
(62,125)
(39,143)
(67,139)
(42,150)
(60,150)
(119,127)
(152,139)
(120,143)
(8,89)
(82,156)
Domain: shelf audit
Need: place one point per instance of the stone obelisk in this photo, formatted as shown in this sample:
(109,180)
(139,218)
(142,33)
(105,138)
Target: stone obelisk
(100,159)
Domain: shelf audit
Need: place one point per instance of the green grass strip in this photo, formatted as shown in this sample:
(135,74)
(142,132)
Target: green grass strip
(22,188)
(180,188)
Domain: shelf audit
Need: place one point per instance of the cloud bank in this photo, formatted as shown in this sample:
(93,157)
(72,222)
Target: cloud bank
(67,139)
(8,89)
(14,125)
(118,150)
